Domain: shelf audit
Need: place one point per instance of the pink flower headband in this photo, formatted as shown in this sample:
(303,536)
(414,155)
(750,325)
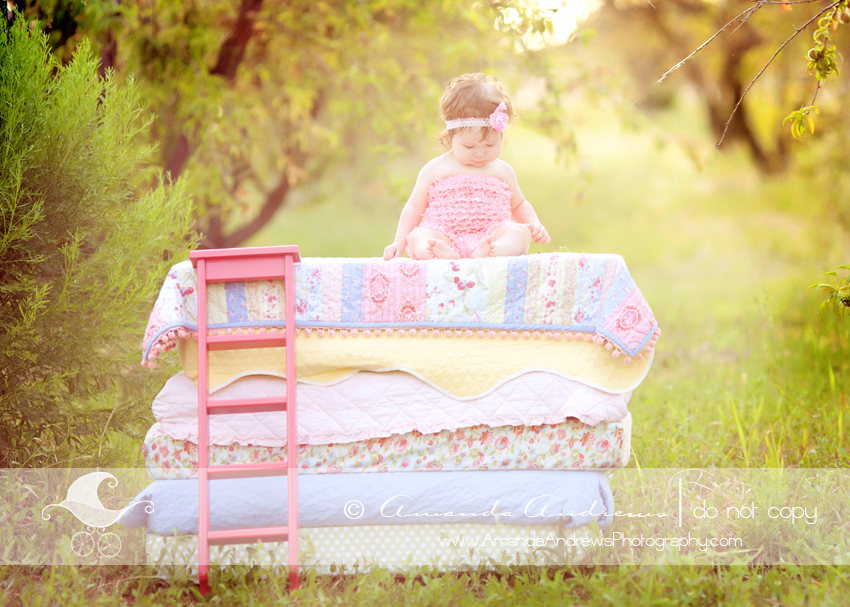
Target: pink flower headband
(498,120)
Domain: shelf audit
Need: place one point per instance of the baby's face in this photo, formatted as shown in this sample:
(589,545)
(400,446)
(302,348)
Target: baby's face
(470,149)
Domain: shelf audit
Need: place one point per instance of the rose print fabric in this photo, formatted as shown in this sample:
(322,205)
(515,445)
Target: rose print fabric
(567,445)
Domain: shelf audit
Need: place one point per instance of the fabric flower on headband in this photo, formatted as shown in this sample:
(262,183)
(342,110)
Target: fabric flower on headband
(498,120)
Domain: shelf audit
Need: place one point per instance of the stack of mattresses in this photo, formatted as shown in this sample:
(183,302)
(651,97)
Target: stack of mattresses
(507,379)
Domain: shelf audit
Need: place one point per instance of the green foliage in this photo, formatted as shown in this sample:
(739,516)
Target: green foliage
(308,88)
(823,58)
(801,119)
(822,62)
(88,233)
(837,296)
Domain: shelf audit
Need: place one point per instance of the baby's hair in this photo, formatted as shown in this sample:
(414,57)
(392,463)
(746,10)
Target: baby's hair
(472,96)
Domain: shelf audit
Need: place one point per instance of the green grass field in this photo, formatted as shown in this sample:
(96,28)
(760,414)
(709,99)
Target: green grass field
(747,374)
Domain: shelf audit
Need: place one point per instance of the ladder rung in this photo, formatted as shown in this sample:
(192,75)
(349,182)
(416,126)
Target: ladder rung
(248,470)
(249,340)
(223,265)
(246,405)
(245,536)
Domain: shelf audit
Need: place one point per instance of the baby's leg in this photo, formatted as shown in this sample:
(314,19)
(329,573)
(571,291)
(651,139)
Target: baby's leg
(424,243)
(506,240)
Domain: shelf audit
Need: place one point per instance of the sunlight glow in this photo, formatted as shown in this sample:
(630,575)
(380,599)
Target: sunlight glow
(567,18)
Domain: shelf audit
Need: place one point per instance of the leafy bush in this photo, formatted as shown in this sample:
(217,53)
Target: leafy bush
(88,232)
(836,297)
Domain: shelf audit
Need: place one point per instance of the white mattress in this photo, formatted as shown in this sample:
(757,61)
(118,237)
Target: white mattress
(376,405)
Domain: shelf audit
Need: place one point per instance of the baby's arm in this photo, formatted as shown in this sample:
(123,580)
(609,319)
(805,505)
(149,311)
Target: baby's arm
(522,211)
(411,215)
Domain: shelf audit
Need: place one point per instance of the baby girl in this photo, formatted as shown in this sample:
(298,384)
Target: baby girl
(463,201)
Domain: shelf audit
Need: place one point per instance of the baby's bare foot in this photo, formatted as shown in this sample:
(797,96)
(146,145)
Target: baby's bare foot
(440,250)
(484,248)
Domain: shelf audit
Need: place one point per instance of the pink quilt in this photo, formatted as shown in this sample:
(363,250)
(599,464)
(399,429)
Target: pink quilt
(374,405)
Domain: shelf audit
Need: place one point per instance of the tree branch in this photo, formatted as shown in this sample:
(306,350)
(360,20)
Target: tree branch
(796,2)
(275,199)
(230,56)
(108,54)
(817,89)
(232,52)
(750,10)
(693,69)
(747,18)
(766,65)
(179,155)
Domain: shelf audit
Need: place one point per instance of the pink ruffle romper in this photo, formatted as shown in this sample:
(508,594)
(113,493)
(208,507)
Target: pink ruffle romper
(466,208)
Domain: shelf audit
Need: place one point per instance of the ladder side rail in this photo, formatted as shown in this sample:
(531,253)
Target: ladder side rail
(226,265)
(203,430)
(291,421)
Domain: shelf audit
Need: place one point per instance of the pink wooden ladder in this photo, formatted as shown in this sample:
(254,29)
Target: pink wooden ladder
(230,265)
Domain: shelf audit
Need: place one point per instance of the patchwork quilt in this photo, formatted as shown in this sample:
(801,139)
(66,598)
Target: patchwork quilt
(569,445)
(550,296)
(376,405)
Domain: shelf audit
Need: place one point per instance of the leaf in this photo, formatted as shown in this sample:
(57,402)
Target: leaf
(799,119)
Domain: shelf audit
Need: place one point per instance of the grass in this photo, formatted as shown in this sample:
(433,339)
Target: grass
(747,374)
(590,587)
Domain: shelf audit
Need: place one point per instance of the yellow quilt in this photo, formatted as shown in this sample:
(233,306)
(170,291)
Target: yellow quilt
(461,366)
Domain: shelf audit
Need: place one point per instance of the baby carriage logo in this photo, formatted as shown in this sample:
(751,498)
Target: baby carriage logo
(82,502)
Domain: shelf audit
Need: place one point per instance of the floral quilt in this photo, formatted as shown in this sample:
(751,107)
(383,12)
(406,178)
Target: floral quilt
(567,445)
(553,295)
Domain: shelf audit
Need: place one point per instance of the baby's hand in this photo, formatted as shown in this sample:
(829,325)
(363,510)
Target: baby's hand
(394,250)
(538,233)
